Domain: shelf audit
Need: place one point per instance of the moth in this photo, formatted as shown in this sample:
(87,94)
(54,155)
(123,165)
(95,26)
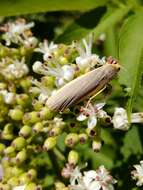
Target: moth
(84,86)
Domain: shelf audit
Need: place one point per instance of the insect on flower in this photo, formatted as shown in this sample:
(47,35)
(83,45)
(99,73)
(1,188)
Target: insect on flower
(84,86)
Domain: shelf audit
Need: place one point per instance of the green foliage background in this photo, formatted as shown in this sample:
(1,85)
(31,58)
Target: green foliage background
(122,21)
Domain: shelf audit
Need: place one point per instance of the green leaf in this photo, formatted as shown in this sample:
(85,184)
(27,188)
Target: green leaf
(130,56)
(16,7)
(110,44)
(132,143)
(96,21)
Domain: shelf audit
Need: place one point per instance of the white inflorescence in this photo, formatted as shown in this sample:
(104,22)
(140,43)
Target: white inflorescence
(91,113)
(92,180)
(137,174)
(86,58)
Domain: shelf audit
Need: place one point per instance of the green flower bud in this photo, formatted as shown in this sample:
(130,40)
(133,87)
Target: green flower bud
(71,139)
(9,151)
(38,127)
(24,179)
(83,138)
(4,111)
(13,181)
(3,85)
(16,171)
(16,114)
(55,131)
(21,156)
(50,143)
(37,105)
(30,186)
(5,186)
(32,174)
(48,81)
(63,60)
(92,132)
(2,148)
(73,157)
(25,131)
(25,83)
(46,113)
(19,143)
(31,117)
(97,144)
(59,185)
(7,132)
(22,100)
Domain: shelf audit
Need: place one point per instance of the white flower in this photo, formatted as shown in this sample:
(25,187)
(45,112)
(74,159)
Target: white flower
(86,58)
(137,174)
(43,91)
(120,119)
(15,32)
(21,187)
(62,74)
(99,179)
(17,69)
(76,176)
(30,42)
(91,113)
(137,117)
(46,49)
(92,180)
(9,97)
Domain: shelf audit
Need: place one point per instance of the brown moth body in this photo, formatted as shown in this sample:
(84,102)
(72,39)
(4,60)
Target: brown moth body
(84,86)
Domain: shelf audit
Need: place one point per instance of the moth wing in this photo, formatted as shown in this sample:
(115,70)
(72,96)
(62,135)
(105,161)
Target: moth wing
(75,90)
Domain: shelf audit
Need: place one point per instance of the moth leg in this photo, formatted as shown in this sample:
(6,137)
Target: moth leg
(92,97)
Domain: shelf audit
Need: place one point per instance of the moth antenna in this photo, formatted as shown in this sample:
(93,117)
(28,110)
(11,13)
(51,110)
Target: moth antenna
(122,67)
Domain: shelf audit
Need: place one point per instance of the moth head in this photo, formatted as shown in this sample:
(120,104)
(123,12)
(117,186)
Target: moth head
(114,62)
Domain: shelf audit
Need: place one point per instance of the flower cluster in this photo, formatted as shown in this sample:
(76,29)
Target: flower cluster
(90,180)
(137,174)
(32,136)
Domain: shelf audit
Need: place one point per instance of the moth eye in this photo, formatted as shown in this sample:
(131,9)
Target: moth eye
(111,60)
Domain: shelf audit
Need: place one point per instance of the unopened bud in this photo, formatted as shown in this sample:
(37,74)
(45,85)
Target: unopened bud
(24,179)
(55,131)
(37,105)
(83,138)
(92,132)
(48,81)
(5,186)
(21,156)
(19,143)
(38,127)
(32,174)
(71,139)
(25,131)
(25,83)
(59,185)
(9,151)
(13,181)
(46,113)
(33,186)
(2,147)
(96,144)
(50,143)
(22,100)
(16,114)
(73,157)
(7,132)
(31,117)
